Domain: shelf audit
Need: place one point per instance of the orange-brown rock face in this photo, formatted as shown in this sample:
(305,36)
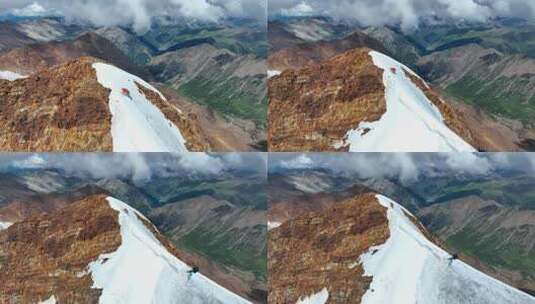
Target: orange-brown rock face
(321,250)
(47,255)
(65,108)
(311,109)
(59,109)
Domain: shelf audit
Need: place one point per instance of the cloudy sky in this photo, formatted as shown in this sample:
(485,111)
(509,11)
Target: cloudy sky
(137,13)
(406,13)
(405,166)
(142,166)
(139,167)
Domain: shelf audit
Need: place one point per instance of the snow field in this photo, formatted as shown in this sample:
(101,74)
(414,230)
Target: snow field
(411,123)
(137,124)
(143,271)
(408,269)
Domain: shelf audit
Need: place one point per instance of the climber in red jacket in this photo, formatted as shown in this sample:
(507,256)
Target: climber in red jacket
(126,92)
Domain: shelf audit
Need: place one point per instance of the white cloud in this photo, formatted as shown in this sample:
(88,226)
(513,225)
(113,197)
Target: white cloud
(140,167)
(31,10)
(137,13)
(406,13)
(301,161)
(201,162)
(301,9)
(468,163)
(33,161)
(199,9)
(406,167)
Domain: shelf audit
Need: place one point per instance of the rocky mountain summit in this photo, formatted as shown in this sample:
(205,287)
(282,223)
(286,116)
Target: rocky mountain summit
(369,249)
(339,103)
(68,107)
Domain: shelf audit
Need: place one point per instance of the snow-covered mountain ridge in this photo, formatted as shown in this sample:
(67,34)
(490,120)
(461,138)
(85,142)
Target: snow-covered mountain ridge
(411,121)
(362,101)
(410,268)
(98,250)
(88,105)
(369,249)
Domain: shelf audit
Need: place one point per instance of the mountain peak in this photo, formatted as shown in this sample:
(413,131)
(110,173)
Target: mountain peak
(88,105)
(361,100)
(98,249)
(369,249)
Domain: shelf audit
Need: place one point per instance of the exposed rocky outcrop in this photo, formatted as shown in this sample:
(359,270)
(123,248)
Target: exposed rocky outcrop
(321,250)
(59,109)
(59,245)
(65,108)
(57,249)
(312,108)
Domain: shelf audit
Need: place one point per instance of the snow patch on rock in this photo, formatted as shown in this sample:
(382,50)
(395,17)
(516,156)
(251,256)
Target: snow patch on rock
(408,268)
(273,73)
(411,123)
(137,124)
(11,76)
(142,270)
(317,298)
(5,225)
(51,300)
(273,225)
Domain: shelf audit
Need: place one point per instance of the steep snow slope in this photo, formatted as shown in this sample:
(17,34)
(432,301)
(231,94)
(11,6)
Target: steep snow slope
(143,271)
(411,123)
(137,124)
(8,75)
(410,269)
